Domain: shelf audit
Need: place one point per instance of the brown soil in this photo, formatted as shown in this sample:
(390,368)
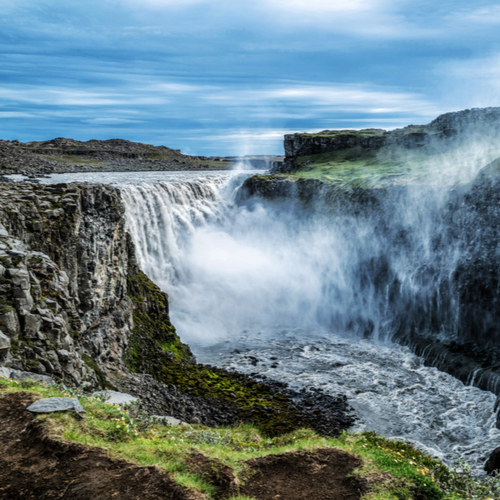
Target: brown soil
(215,472)
(319,475)
(36,466)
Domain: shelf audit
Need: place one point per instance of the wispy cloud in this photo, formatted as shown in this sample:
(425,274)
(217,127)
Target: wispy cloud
(166,71)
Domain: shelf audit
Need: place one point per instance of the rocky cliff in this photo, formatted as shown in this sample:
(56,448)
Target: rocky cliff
(76,306)
(442,132)
(69,283)
(435,285)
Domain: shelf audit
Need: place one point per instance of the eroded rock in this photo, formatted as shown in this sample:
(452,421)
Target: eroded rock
(52,405)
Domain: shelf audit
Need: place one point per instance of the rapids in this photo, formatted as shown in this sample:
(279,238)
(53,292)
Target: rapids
(268,291)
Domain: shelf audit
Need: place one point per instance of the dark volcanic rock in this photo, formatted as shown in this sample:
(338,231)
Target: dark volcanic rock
(68,155)
(493,462)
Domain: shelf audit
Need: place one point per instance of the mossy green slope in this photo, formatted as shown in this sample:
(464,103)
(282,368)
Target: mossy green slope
(366,168)
(156,349)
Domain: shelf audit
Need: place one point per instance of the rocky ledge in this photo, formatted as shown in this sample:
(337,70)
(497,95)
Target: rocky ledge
(449,312)
(76,307)
(68,155)
(444,130)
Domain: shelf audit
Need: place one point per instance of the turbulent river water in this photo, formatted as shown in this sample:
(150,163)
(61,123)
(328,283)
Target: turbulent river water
(255,288)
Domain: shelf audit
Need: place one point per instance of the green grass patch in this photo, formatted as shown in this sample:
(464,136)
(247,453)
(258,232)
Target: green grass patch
(401,471)
(70,159)
(368,168)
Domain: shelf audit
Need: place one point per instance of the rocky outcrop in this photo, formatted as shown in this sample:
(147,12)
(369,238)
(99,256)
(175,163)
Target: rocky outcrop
(445,308)
(66,286)
(68,155)
(78,307)
(443,131)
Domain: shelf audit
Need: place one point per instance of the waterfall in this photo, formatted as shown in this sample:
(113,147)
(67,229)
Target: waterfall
(310,297)
(395,272)
(163,216)
(232,266)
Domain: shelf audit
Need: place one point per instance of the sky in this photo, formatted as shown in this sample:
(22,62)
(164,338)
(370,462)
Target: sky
(214,77)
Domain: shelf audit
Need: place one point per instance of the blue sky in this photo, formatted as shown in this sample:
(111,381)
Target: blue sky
(217,77)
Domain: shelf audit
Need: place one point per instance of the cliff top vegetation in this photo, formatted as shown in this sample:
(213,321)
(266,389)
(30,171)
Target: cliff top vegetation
(232,462)
(360,167)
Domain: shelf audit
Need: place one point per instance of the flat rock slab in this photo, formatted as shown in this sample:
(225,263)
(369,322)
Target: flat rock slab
(116,398)
(51,405)
(5,372)
(19,375)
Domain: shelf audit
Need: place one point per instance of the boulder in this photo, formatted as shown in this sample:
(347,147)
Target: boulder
(167,420)
(493,463)
(5,372)
(51,405)
(116,398)
(20,375)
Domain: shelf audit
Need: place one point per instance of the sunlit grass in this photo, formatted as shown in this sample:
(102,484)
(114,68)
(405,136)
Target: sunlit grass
(391,165)
(395,470)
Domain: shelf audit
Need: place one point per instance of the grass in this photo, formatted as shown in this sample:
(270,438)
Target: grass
(365,168)
(70,159)
(397,470)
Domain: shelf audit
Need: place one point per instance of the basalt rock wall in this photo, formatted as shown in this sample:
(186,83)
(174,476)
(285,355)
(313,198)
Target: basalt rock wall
(447,308)
(75,311)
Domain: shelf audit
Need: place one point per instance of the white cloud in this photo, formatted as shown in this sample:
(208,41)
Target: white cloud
(324,6)
(111,121)
(74,97)
(329,98)
(471,83)
(484,15)
(16,114)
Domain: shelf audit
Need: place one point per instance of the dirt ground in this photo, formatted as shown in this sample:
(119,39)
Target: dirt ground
(35,466)
(319,475)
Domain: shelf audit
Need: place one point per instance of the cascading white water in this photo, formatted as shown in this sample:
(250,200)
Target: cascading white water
(257,281)
(260,283)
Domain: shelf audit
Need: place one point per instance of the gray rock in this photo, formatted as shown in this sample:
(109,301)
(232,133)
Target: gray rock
(10,324)
(5,372)
(23,306)
(20,375)
(63,355)
(49,368)
(117,398)
(32,324)
(165,420)
(4,346)
(51,405)
(19,277)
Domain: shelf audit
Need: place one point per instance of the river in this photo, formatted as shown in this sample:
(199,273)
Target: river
(258,288)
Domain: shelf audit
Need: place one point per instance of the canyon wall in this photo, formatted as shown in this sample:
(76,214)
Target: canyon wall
(74,300)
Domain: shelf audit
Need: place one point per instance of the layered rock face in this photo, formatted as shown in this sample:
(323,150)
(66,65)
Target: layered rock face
(435,286)
(67,282)
(477,122)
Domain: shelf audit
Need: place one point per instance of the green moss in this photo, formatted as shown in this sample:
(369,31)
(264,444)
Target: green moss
(103,381)
(393,165)
(152,324)
(155,348)
(365,133)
